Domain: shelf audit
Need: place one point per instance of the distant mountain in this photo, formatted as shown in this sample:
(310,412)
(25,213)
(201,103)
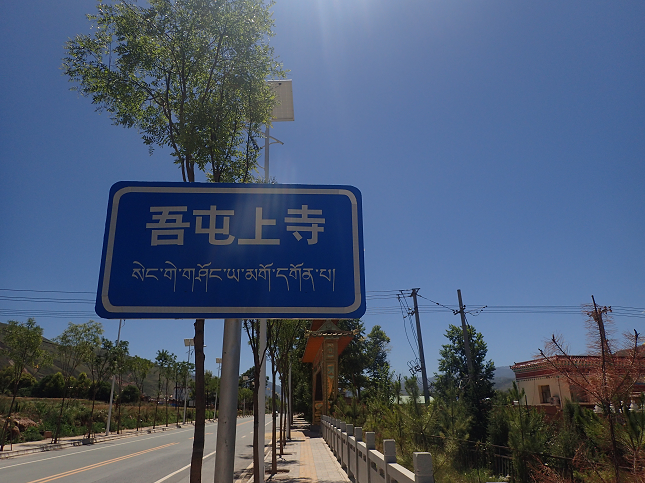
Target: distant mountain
(504,378)
(502,381)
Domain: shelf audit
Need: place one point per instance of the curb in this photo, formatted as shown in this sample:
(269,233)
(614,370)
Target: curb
(83,441)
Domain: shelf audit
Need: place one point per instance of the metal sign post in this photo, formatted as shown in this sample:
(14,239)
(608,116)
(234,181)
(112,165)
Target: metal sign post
(230,251)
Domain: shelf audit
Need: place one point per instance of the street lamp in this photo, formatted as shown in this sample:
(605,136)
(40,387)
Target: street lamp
(282,111)
(187,343)
(190,343)
(218,361)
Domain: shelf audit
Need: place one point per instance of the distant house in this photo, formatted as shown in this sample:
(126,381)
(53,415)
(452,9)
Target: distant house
(405,399)
(547,388)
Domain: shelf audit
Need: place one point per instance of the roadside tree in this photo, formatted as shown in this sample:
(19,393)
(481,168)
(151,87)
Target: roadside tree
(101,368)
(75,346)
(22,346)
(189,75)
(607,378)
(453,380)
(140,369)
(252,329)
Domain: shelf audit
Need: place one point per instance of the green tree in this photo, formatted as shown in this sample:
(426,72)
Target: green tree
(190,75)
(187,74)
(244,399)
(211,386)
(528,434)
(169,373)
(75,346)
(286,340)
(353,360)
(453,381)
(378,366)
(22,343)
(140,369)
(184,369)
(101,368)
(121,368)
(51,386)
(363,366)
(130,394)
(162,360)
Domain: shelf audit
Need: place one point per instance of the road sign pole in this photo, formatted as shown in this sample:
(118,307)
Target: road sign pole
(227,422)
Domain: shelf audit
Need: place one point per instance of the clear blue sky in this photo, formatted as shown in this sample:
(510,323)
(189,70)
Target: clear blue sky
(499,147)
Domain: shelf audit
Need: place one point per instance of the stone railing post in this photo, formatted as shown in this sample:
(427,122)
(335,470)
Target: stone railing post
(348,450)
(423,471)
(358,437)
(343,444)
(370,444)
(389,456)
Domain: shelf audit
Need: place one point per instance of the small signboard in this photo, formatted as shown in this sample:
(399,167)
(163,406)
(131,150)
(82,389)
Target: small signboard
(206,250)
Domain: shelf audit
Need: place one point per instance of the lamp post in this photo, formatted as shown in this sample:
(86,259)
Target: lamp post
(283,111)
(190,343)
(218,360)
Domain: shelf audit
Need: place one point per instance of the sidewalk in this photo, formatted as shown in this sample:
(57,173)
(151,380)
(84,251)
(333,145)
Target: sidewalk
(307,458)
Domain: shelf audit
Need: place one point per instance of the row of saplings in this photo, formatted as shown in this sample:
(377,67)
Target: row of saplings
(36,412)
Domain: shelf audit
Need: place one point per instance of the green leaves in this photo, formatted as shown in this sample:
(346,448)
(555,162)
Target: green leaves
(188,74)
(22,341)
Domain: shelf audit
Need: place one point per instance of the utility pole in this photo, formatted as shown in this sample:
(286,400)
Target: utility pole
(469,359)
(424,377)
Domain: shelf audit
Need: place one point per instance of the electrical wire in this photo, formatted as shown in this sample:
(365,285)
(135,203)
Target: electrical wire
(38,296)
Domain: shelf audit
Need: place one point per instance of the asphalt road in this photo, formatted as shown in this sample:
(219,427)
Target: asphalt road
(151,458)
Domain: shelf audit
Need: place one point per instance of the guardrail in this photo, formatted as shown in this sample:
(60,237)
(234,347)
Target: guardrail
(364,464)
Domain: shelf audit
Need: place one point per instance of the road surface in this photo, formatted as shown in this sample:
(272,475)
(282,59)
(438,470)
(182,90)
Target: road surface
(150,458)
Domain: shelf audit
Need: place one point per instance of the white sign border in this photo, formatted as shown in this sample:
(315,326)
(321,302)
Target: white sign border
(218,311)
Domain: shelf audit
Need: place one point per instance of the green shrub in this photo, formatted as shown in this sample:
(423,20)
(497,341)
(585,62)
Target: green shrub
(31,434)
(130,394)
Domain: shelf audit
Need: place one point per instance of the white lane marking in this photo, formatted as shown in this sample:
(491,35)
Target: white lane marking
(88,450)
(182,469)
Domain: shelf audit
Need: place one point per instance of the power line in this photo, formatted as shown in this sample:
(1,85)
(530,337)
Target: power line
(23,296)
(43,291)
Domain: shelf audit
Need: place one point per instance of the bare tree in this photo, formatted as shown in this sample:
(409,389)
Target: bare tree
(607,375)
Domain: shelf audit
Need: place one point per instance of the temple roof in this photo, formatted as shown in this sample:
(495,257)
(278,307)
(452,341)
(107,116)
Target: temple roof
(321,330)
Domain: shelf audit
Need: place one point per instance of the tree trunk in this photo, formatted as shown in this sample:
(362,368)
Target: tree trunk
(139,411)
(256,425)
(274,456)
(166,403)
(90,423)
(282,428)
(177,402)
(154,421)
(60,414)
(200,405)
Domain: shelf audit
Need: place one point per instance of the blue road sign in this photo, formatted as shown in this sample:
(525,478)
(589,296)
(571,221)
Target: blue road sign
(205,250)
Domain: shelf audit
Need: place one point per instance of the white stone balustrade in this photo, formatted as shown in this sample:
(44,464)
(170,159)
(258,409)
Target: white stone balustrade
(357,455)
